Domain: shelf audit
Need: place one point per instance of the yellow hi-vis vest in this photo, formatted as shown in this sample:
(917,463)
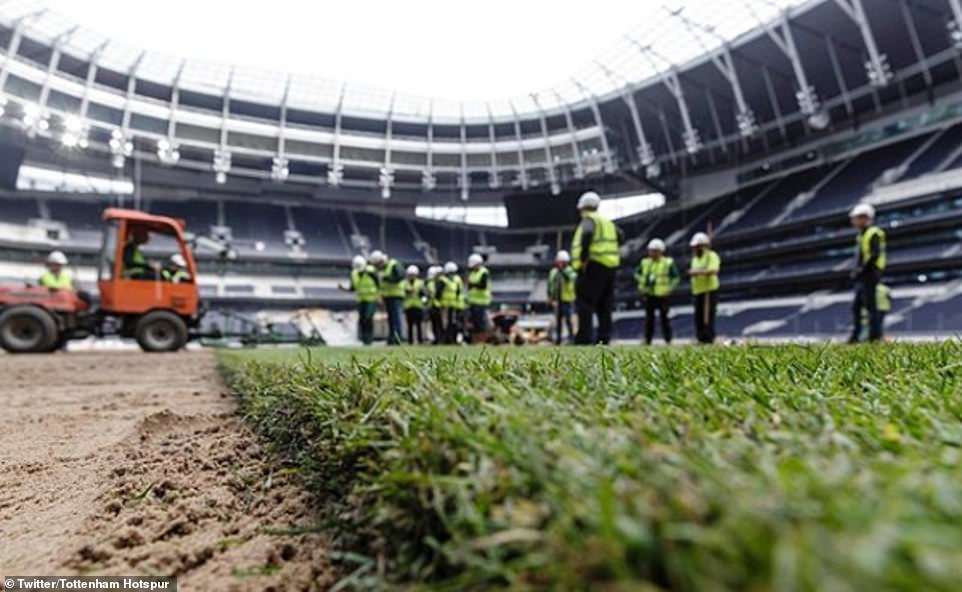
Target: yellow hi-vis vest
(478,296)
(364,284)
(61,281)
(883,298)
(604,243)
(561,284)
(864,246)
(654,277)
(432,290)
(451,291)
(413,291)
(705,283)
(391,288)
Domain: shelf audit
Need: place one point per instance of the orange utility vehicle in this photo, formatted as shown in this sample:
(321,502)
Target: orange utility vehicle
(137,299)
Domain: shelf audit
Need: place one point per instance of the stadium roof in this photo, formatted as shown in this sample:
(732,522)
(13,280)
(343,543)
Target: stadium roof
(670,34)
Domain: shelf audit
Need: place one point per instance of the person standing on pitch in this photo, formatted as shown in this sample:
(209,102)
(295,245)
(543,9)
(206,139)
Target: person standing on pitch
(705,265)
(56,278)
(414,304)
(657,276)
(434,304)
(450,287)
(366,285)
(561,293)
(869,265)
(392,293)
(479,297)
(595,250)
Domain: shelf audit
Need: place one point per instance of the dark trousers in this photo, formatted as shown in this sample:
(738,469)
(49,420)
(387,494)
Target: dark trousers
(437,324)
(365,321)
(452,325)
(705,307)
(657,305)
(595,296)
(395,310)
(563,319)
(865,297)
(414,317)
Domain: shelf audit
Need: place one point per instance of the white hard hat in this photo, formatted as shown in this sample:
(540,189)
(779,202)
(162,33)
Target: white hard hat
(475,260)
(433,271)
(862,209)
(699,240)
(178,260)
(57,258)
(378,257)
(562,256)
(413,270)
(358,263)
(589,200)
(656,244)
(450,267)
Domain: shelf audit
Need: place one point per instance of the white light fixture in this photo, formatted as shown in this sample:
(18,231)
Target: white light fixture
(221,165)
(168,151)
(428,181)
(555,188)
(879,71)
(121,148)
(75,132)
(747,125)
(955,34)
(646,154)
(692,141)
(385,181)
(280,169)
(335,175)
(35,119)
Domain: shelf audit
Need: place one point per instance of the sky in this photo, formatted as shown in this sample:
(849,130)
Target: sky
(451,49)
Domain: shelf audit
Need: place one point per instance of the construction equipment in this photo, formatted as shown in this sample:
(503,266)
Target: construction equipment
(160,315)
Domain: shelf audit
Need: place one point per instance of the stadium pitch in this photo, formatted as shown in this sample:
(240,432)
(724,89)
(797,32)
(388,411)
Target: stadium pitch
(719,468)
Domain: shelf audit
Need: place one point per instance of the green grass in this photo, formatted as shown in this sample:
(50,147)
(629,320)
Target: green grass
(728,468)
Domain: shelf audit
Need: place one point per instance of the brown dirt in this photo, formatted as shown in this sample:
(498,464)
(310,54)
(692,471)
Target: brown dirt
(130,464)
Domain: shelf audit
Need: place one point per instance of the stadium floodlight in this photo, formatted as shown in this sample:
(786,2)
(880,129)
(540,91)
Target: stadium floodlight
(955,34)
(167,151)
(35,119)
(280,169)
(335,175)
(429,181)
(121,148)
(385,180)
(879,71)
(221,165)
(75,132)
(692,140)
(747,125)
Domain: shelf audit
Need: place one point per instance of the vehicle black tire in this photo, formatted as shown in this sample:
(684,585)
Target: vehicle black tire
(27,330)
(161,331)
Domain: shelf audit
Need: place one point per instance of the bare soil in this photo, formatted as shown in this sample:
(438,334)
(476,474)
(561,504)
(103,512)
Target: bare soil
(137,464)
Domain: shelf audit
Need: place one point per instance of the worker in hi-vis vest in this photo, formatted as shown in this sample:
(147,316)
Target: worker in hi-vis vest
(561,293)
(657,275)
(414,304)
(704,269)
(449,291)
(595,254)
(867,273)
(366,287)
(391,275)
(478,298)
(176,270)
(434,303)
(57,277)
